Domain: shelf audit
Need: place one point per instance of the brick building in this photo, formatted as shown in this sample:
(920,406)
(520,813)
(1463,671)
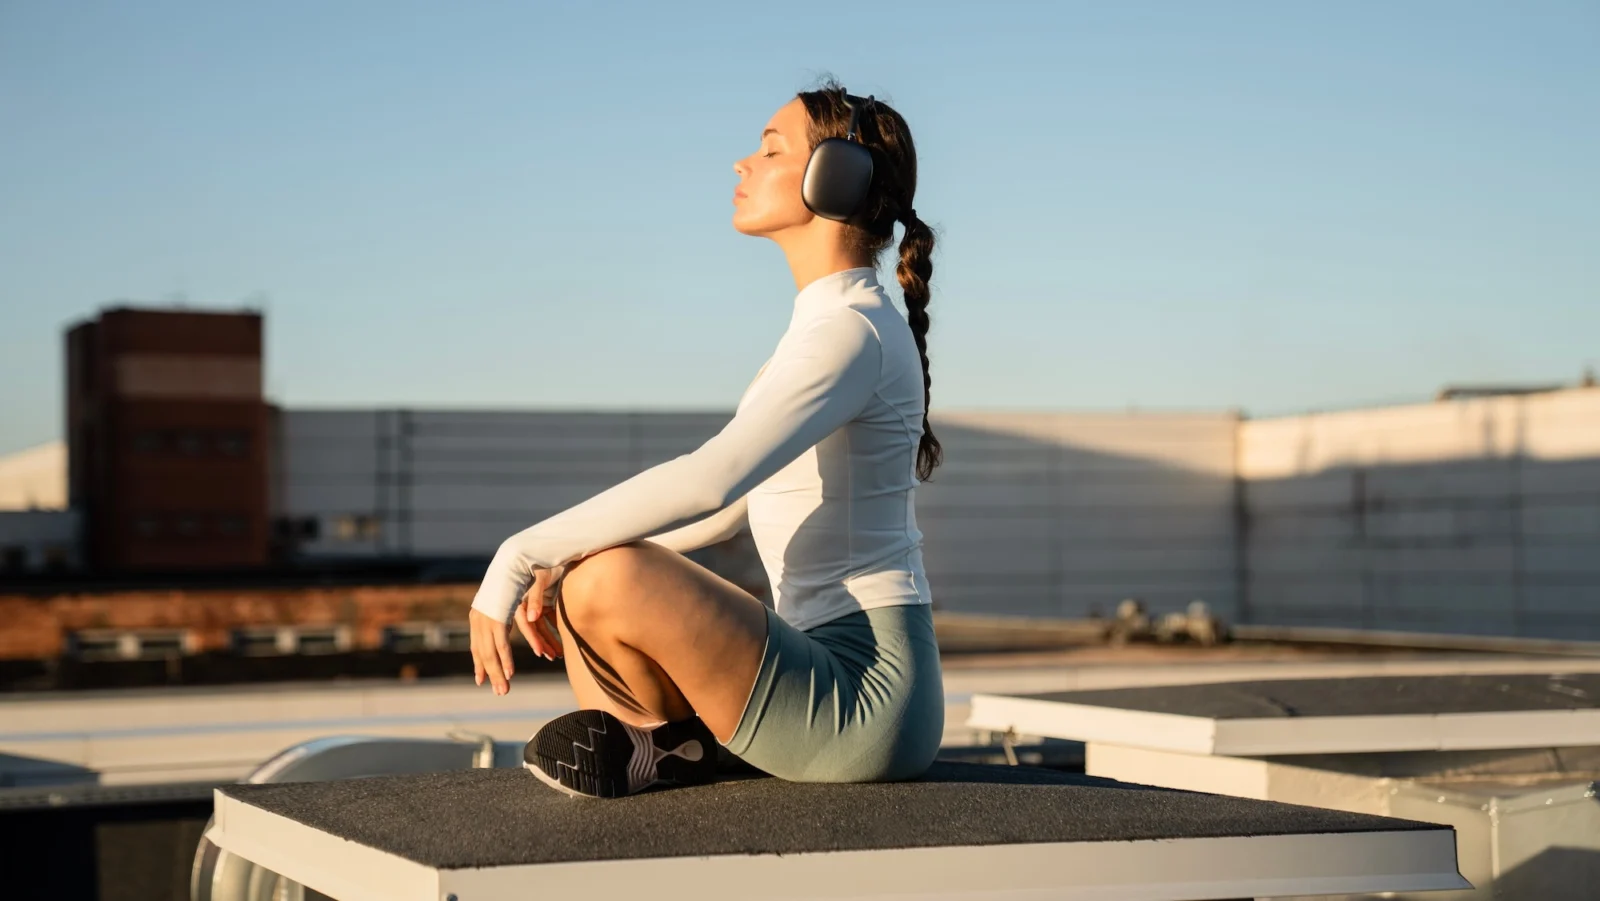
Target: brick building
(167,432)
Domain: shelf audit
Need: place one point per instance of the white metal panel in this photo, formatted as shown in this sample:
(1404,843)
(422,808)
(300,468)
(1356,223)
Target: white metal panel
(1563,425)
(1577,520)
(1286,735)
(41,534)
(1554,480)
(1269,562)
(1457,480)
(1474,516)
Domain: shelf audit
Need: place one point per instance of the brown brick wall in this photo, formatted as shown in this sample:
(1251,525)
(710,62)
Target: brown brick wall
(126,330)
(168,435)
(199,471)
(37,626)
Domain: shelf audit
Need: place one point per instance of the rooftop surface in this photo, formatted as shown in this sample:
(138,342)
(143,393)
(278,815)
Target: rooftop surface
(504,817)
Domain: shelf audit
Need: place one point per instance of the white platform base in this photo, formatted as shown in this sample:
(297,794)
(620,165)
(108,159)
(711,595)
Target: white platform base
(1286,735)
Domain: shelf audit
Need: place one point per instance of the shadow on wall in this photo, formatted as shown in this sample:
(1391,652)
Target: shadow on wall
(1478,517)
(1032,513)
(1554,874)
(1066,514)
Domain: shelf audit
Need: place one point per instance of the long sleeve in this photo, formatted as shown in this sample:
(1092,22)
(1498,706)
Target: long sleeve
(823,373)
(719,526)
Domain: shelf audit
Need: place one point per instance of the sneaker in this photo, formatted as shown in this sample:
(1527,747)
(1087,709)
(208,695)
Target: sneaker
(590,753)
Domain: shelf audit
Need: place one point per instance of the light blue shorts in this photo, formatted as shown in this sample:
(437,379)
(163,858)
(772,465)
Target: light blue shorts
(857,699)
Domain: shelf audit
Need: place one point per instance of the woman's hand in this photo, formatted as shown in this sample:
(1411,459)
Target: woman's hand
(491,645)
(536,615)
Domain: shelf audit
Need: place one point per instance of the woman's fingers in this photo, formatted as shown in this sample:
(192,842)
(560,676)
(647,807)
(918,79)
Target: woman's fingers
(546,589)
(552,636)
(528,632)
(502,647)
(491,653)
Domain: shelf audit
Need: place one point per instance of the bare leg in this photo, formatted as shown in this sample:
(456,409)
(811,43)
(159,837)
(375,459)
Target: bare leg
(672,638)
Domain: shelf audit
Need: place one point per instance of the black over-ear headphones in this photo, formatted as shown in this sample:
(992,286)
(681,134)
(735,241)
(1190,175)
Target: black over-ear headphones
(839,172)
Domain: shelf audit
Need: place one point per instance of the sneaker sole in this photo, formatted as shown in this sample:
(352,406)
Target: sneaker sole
(609,769)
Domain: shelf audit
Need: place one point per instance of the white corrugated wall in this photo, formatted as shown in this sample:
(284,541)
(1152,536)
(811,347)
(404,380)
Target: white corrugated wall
(1477,516)
(1470,516)
(1058,514)
(1032,513)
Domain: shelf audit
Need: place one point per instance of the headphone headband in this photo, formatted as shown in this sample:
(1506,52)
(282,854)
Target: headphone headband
(853,133)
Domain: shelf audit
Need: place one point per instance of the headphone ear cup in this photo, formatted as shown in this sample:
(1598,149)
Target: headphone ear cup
(837,178)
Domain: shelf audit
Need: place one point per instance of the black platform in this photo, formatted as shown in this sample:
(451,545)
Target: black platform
(1370,696)
(963,831)
(488,818)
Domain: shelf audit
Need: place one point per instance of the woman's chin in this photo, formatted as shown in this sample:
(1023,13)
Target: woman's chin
(746,225)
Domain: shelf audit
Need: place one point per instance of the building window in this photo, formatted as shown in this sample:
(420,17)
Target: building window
(296,528)
(131,644)
(188,525)
(98,645)
(355,527)
(407,638)
(147,525)
(147,441)
(318,641)
(455,636)
(191,443)
(233,443)
(154,644)
(232,525)
(262,641)
(258,641)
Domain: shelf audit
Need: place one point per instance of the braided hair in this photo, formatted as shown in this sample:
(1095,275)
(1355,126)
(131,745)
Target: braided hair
(869,232)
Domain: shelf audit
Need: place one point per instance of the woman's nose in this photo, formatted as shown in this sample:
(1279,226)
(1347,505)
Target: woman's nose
(738,168)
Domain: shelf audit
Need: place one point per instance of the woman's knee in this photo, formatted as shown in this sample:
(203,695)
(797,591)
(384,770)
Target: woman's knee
(593,587)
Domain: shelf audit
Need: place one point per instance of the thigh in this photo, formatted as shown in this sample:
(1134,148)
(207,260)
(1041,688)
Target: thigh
(859,699)
(703,633)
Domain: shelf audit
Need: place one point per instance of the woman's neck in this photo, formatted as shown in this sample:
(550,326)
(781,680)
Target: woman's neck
(818,252)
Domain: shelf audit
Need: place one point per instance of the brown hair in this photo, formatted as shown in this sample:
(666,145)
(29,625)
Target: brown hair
(869,231)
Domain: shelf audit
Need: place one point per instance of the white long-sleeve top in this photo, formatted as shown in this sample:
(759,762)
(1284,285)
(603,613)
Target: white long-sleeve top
(819,458)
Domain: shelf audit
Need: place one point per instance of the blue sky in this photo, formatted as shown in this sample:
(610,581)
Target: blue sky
(1273,206)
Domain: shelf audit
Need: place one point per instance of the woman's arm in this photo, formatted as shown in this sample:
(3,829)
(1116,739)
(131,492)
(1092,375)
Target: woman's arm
(821,376)
(717,527)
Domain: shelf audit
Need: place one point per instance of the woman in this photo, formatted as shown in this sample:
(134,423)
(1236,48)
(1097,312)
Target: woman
(839,681)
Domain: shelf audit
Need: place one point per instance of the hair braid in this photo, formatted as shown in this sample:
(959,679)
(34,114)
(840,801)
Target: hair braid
(871,229)
(913,271)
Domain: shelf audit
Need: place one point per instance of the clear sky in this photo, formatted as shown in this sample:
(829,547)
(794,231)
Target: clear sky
(1275,206)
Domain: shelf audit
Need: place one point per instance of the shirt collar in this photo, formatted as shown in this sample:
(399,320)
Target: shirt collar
(832,290)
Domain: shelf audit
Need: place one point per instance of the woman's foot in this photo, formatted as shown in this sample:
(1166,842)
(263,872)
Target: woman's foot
(590,753)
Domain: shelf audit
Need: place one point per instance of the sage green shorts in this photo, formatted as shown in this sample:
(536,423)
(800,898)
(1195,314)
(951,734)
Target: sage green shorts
(857,699)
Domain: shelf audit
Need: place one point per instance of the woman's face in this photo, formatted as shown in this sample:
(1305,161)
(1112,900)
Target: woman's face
(767,199)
